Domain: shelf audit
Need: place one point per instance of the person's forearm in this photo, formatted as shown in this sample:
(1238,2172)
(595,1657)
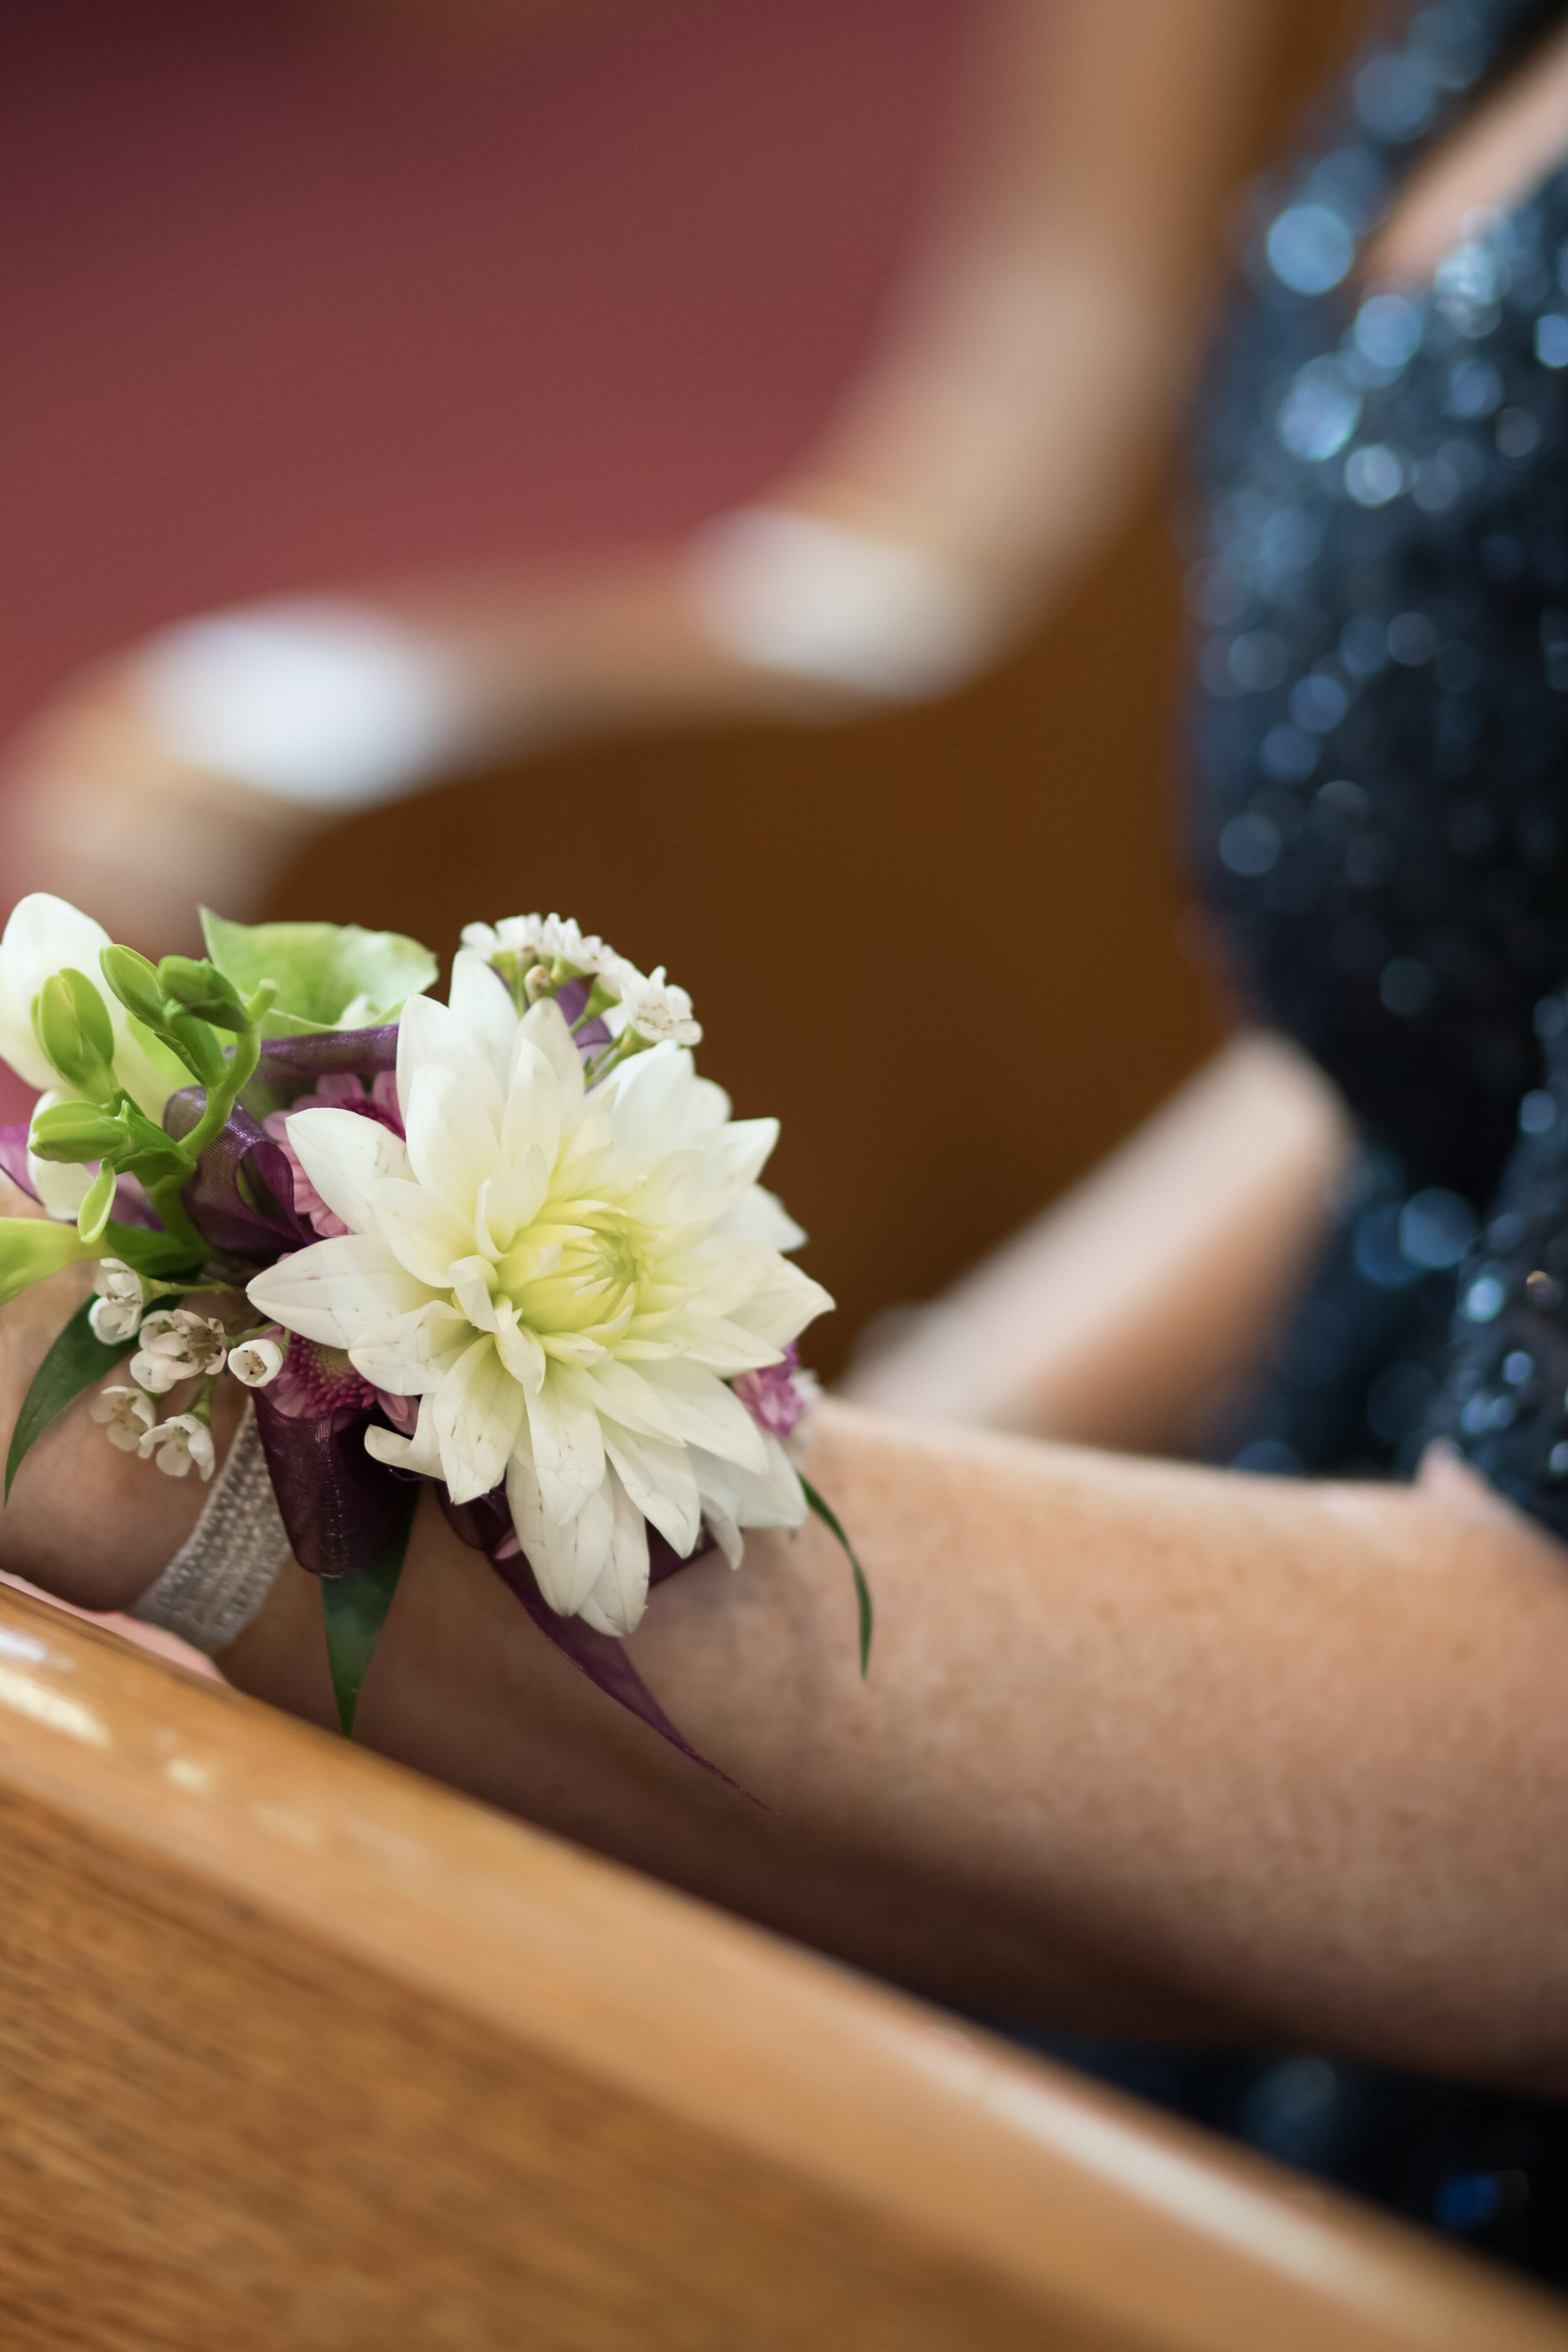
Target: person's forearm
(1142,1747)
(1047,322)
(1127,1307)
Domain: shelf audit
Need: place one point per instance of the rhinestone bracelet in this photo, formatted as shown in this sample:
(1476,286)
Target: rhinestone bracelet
(227,1565)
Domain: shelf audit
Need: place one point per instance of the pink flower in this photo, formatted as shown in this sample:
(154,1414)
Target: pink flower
(776,1396)
(342,1092)
(316,1380)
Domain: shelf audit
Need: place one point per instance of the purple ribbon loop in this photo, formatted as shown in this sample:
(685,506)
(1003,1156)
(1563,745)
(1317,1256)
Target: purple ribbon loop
(487,1526)
(340,1506)
(241,1197)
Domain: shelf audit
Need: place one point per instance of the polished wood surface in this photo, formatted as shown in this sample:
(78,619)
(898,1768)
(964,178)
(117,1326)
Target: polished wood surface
(299,2051)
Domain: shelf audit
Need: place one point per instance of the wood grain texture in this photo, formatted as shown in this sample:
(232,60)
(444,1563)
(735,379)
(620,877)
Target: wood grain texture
(299,2051)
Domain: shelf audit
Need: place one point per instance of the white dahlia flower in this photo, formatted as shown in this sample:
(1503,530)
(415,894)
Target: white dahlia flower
(566,1280)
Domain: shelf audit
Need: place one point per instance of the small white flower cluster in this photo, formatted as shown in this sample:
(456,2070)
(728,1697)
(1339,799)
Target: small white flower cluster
(652,1006)
(132,1424)
(181,1346)
(175,1345)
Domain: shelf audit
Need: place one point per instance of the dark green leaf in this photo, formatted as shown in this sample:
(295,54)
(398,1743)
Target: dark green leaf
(354,1610)
(829,1518)
(72,1364)
(163,1255)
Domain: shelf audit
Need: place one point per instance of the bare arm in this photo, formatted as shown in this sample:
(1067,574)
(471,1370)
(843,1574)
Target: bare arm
(1121,1311)
(1143,1747)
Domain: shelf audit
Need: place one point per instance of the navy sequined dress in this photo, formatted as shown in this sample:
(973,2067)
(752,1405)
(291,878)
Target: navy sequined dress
(1379,827)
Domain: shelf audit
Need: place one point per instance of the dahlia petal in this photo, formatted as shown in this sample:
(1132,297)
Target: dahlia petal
(728,1167)
(568,1446)
(452,1145)
(650,1101)
(760,1220)
(343,1155)
(784,1302)
(713,1342)
(617,1603)
(771,1499)
(543,1026)
(532,1117)
(422,1232)
(707,1413)
(625,1397)
(471,1290)
(418,1453)
(567,1557)
(508,1204)
(519,1350)
(707,1109)
(477,1412)
(661,1482)
(340,1292)
(431,1036)
(409,1357)
(480,999)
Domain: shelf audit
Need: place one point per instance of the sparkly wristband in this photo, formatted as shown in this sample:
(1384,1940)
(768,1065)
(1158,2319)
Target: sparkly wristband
(227,1565)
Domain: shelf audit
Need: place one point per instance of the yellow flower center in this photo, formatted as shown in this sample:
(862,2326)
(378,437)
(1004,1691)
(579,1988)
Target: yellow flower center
(580,1268)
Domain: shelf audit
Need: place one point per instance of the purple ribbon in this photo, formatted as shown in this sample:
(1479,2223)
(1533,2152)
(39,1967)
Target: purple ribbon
(241,1196)
(340,1506)
(487,1526)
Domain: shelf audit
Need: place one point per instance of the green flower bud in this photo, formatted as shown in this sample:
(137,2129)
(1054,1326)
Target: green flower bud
(72,1023)
(202,988)
(77,1130)
(135,983)
(93,1214)
(196,1047)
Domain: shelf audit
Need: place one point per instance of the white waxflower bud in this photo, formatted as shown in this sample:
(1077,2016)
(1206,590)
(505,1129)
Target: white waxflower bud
(113,1318)
(112,1278)
(256,1362)
(117,1309)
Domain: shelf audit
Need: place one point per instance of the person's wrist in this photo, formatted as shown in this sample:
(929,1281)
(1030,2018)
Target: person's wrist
(84,1521)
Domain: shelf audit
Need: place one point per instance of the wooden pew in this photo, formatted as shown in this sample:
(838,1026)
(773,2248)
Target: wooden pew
(299,2051)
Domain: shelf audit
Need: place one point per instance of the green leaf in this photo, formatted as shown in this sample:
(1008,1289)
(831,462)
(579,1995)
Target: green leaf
(829,1518)
(163,1255)
(93,1214)
(354,1611)
(32,1248)
(329,975)
(77,1359)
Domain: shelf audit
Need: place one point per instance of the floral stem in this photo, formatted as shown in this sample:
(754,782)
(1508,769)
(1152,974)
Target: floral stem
(221,1100)
(172,1214)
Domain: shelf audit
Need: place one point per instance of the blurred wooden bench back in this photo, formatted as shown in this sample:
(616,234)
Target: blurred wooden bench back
(299,2051)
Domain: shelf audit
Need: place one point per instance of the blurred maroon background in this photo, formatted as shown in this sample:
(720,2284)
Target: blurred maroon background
(293,293)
